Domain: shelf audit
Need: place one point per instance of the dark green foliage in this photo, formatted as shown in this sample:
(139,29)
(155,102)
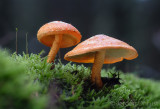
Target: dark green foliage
(68,86)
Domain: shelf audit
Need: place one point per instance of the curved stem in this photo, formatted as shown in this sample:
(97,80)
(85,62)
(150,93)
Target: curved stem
(96,69)
(54,49)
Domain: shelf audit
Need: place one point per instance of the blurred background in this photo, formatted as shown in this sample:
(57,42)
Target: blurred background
(136,22)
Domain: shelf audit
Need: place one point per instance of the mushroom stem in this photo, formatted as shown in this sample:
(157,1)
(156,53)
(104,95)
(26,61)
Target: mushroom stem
(54,49)
(96,69)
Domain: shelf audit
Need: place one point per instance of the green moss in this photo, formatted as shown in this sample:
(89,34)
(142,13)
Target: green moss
(68,86)
(17,91)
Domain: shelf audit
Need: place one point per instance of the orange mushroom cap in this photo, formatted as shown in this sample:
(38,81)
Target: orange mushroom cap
(116,50)
(71,36)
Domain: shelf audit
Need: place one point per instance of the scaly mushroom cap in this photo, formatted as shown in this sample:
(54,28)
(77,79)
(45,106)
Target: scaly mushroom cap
(116,50)
(71,36)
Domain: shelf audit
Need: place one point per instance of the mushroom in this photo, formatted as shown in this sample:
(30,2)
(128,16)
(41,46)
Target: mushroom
(58,34)
(100,49)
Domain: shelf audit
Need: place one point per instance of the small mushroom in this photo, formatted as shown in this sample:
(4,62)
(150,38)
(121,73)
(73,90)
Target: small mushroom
(100,49)
(58,34)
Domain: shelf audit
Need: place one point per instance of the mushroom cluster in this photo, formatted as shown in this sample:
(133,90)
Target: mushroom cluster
(99,49)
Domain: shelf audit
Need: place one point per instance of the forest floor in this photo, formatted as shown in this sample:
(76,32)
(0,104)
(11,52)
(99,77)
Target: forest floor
(27,81)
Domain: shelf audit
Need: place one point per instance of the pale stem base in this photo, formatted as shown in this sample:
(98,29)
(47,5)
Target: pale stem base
(96,69)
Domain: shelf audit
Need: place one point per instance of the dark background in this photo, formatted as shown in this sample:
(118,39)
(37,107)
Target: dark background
(136,22)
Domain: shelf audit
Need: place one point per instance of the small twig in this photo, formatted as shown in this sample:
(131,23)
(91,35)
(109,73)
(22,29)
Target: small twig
(26,43)
(73,90)
(16,41)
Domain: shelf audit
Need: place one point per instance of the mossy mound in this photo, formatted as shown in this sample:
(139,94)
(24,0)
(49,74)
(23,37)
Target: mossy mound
(17,91)
(28,81)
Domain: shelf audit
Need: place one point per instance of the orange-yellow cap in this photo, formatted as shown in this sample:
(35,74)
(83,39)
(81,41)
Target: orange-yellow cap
(116,50)
(70,35)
